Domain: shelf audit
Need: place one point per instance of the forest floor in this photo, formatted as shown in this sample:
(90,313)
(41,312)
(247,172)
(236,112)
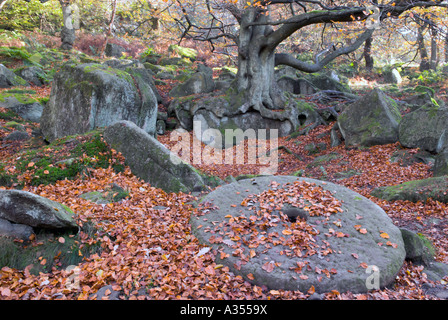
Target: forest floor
(174,269)
(147,253)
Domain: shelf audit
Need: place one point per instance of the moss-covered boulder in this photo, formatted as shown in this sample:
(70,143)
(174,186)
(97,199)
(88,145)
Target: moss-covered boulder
(440,167)
(183,51)
(199,82)
(327,82)
(33,75)
(425,128)
(371,120)
(89,95)
(418,248)
(35,211)
(23,105)
(416,190)
(150,160)
(9,79)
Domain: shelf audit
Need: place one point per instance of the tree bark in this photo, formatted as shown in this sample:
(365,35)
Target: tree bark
(368,54)
(68,31)
(424,59)
(256,64)
(109,30)
(434,48)
(446,47)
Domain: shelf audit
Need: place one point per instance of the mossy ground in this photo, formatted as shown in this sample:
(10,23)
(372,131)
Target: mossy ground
(66,158)
(47,251)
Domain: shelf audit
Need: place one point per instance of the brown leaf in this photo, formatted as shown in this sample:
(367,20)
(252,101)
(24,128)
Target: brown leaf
(268,266)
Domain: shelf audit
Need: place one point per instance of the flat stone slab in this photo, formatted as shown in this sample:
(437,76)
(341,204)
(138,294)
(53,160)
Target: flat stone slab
(348,243)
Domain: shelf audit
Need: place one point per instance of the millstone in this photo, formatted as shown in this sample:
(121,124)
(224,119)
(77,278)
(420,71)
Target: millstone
(347,243)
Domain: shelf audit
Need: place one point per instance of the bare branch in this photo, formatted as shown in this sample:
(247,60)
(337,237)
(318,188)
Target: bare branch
(287,59)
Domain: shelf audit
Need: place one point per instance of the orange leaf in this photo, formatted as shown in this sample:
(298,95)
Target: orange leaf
(31,164)
(363,265)
(210,270)
(268,266)
(286,232)
(6,292)
(312,290)
(61,240)
(363,230)
(252,253)
(384,235)
(251,276)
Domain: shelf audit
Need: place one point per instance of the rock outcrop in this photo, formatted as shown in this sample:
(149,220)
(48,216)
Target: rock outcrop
(89,95)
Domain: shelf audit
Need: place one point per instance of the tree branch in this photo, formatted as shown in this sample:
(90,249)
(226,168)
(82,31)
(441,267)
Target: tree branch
(287,59)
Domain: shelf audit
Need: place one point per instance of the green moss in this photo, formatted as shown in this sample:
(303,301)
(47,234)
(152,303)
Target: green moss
(428,244)
(22,98)
(56,254)
(47,169)
(424,89)
(92,67)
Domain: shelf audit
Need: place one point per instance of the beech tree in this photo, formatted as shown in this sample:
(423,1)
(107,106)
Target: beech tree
(258,27)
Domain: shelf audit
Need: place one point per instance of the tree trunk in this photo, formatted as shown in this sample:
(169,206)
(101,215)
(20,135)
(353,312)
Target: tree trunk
(109,30)
(424,60)
(446,47)
(434,48)
(68,31)
(256,63)
(368,54)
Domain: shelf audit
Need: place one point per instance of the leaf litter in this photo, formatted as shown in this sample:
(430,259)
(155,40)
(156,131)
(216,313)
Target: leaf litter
(151,254)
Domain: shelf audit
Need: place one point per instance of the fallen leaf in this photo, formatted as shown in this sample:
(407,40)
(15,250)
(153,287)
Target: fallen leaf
(384,235)
(268,266)
(312,290)
(210,270)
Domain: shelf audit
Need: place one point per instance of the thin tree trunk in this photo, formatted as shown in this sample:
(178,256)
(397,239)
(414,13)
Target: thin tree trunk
(68,32)
(424,63)
(368,54)
(446,47)
(434,49)
(109,30)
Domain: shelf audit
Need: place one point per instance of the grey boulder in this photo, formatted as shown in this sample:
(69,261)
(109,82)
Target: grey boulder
(150,160)
(425,128)
(24,106)
(9,79)
(84,97)
(356,260)
(26,208)
(371,120)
